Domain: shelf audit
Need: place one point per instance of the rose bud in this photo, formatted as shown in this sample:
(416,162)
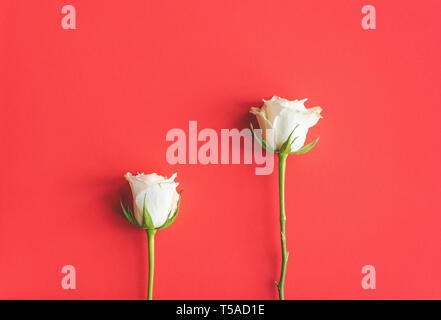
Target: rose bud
(155,200)
(280,119)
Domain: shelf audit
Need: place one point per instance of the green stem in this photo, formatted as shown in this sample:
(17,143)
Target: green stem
(151,239)
(282,165)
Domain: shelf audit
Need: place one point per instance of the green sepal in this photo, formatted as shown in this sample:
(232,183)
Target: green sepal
(129,215)
(148,222)
(262,142)
(286,146)
(173,217)
(306,148)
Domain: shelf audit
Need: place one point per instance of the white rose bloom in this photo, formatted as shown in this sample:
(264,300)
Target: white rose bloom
(161,198)
(282,116)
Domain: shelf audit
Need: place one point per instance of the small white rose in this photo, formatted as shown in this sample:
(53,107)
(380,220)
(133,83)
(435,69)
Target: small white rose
(280,117)
(159,194)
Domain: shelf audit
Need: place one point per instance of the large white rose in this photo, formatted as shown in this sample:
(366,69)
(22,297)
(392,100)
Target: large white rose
(159,193)
(282,116)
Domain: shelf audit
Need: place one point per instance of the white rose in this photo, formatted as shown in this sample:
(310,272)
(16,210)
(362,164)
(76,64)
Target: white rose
(159,194)
(283,116)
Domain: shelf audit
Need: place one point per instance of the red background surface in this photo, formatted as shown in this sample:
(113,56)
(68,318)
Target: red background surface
(81,107)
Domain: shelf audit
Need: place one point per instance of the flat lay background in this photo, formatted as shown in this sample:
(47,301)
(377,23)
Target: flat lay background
(79,108)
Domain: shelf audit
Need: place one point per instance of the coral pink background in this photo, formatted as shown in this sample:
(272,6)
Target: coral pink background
(81,107)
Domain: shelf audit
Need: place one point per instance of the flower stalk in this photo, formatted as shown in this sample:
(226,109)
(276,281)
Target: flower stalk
(151,248)
(155,206)
(284,126)
(281,284)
